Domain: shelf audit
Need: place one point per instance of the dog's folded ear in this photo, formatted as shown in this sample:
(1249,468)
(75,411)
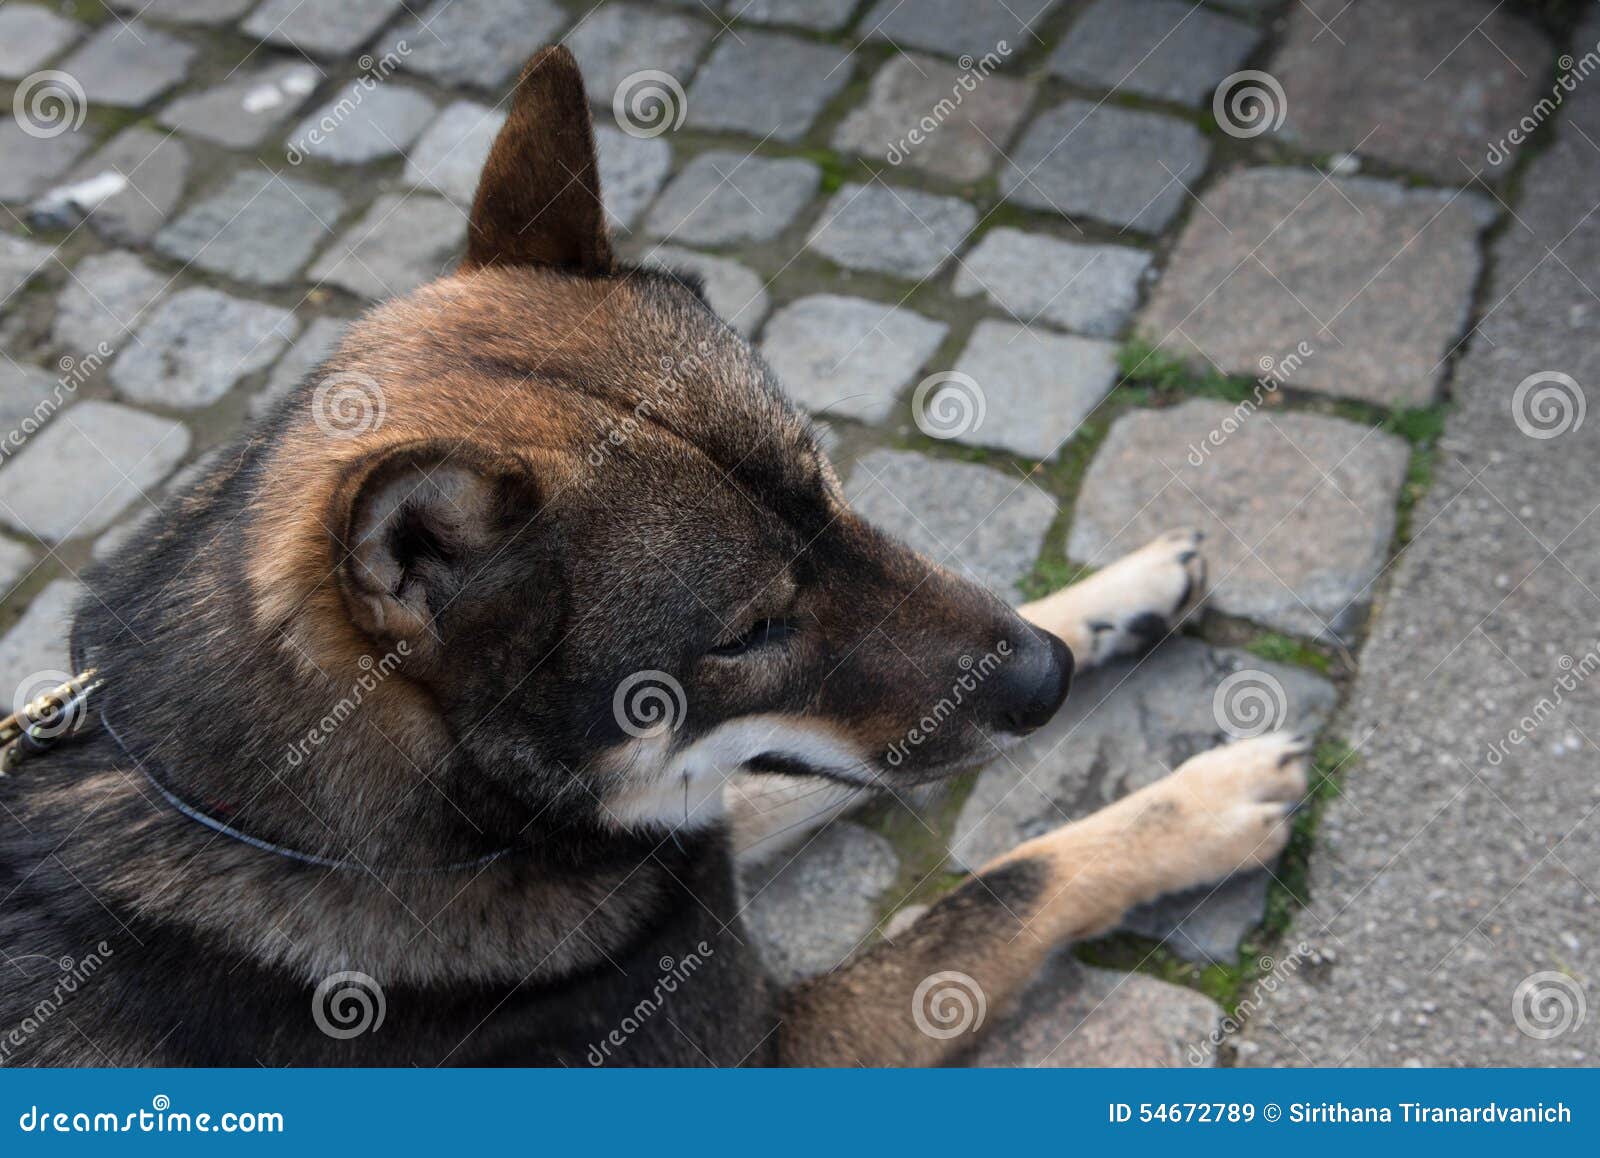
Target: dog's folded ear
(422,525)
(538,200)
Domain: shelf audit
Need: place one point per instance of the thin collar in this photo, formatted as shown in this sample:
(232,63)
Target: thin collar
(222,828)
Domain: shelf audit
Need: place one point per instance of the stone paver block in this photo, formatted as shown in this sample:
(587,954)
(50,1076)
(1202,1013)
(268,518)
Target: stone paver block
(812,914)
(201,12)
(1037,278)
(29,36)
(448,158)
(478,43)
(721,197)
(241,111)
(1035,386)
(16,562)
(620,40)
(737,293)
(320,27)
(196,344)
(128,65)
(402,242)
(1123,727)
(314,345)
(1280,253)
(127,189)
(19,261)
(848,356)
(1157,48)
(957,28)
(111,453)
(32,161)
(1117,165)
(37,642)
(984,523)
(1077,1016)
(768,85)
(818,15)
(28,397)
(107,297)
(260,227)
(1298,508)
(1433,85)
(933,115)
(363,122)
(892,230)
(632,169)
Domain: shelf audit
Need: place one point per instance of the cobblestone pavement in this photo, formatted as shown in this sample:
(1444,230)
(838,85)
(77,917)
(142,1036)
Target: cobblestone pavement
(1057,275)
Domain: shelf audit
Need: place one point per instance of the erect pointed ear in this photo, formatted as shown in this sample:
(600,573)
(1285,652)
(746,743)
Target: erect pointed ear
(538,200)
(427,529)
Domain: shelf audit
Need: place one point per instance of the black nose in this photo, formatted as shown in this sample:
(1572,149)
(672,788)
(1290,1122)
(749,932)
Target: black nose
(1035,682)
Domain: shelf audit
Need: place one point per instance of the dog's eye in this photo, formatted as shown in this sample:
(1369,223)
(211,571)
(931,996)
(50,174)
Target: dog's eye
(762,633)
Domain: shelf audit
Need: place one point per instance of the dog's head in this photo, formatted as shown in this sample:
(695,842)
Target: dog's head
(619,562)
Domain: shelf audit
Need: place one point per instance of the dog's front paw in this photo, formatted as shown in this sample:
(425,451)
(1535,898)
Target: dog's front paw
(1222,811)
(1130,605)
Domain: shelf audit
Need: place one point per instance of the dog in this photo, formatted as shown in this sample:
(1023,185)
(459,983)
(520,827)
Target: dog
(435,721)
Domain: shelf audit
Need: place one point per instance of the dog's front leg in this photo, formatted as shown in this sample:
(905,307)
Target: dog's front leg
(978,947)
(1127,606)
